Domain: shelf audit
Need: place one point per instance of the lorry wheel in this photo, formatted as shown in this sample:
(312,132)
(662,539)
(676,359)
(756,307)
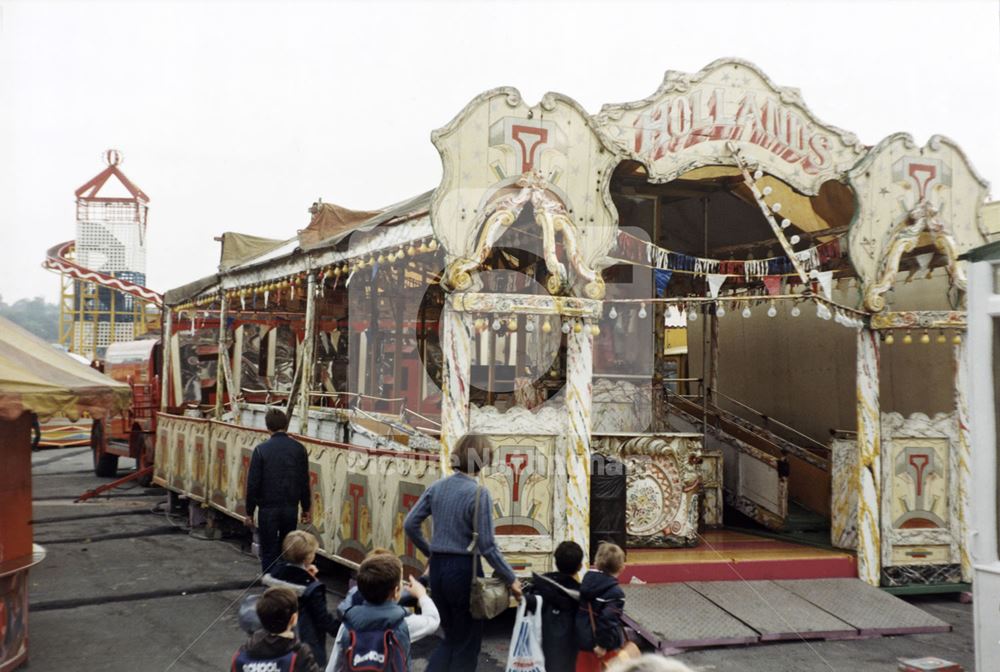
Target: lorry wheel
(105,464)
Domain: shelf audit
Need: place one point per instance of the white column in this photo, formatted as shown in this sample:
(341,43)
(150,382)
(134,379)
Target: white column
(456,351)
(166,358)
(869,448)
(308,347)
(220,371)
(963,456)
(579,377)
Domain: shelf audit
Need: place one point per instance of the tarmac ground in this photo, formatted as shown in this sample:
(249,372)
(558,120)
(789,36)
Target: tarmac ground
(127,586)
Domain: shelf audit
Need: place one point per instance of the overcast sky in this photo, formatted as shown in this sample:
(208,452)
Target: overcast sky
(235,117)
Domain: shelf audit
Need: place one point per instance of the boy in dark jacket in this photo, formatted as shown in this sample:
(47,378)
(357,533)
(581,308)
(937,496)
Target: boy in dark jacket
(298,573)
(599,631)
(375,635)
(275,645)
(560,593)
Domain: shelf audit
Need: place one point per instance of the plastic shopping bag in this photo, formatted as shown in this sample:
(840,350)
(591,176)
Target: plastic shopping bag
(526,643)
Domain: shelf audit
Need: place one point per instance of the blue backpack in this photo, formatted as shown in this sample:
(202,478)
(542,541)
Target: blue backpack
(376,649)
(242,662)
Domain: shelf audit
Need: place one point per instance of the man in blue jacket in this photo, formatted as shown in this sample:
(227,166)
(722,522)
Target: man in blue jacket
(277,484)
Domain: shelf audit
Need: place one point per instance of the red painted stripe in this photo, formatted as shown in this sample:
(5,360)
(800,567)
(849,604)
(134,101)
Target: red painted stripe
(751,570)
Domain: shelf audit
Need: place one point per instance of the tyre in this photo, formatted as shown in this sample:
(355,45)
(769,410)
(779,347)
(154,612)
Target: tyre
(105,464)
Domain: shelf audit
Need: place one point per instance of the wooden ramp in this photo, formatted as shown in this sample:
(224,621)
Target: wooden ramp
(724,613)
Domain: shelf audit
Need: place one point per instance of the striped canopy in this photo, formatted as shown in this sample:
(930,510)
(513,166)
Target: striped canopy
(36,377)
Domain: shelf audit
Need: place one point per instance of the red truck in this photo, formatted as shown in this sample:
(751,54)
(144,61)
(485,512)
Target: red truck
(139,364)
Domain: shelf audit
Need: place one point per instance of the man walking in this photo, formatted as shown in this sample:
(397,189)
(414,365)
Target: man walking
(277,484)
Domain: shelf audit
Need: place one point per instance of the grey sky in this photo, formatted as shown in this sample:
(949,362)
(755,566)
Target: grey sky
(237,116)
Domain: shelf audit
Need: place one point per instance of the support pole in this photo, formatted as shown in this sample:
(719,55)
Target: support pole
(867,484)
(220,371)
(165,373)
(963,457)
(456,351)
(579,376)
(309,342)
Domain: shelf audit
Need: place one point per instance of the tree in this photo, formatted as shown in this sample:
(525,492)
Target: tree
(34,315)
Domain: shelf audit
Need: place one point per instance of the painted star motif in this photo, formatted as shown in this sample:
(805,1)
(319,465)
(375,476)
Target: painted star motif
(883,191)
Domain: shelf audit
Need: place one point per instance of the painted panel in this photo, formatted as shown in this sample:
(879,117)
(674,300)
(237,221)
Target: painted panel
(13,619)
(688,121)
(910,196)
(920,497)
(495,142)
(844,509)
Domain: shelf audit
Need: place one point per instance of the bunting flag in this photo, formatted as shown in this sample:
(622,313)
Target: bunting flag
(825,279)
(638,251)
(773,284)
(662,278)
(715,281)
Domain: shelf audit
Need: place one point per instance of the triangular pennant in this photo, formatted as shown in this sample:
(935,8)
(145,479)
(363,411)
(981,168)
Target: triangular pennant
(773,284)
(825,279)
(924,260)
(662,278)
(715,281)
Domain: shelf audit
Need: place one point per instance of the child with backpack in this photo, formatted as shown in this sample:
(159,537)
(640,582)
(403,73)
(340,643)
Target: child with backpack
(374,636)
(600,635)
(560,593)
(298,573)
(275,646)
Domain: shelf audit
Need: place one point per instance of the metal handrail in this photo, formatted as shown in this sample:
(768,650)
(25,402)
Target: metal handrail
(769,419)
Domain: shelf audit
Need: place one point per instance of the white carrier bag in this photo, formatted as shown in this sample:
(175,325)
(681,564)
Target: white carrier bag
(526,643)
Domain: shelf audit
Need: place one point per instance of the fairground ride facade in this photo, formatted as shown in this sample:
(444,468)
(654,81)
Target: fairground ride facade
(623,288)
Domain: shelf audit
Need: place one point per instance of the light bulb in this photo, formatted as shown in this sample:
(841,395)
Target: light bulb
(785,223)
(890,339)
(720,311)
(907,339)
(512,324)
(577,327)
(957,339)
(767,191)
(776,207)
(772,311)
(546,327)
(613,314)
(814,274)
(925,338)
(565,327)
(941,338)
(642,311)
(794,240)
(692,315)
(595,330)
(796,311)
(746,311)
(757,174)
(529,326)
(496,324)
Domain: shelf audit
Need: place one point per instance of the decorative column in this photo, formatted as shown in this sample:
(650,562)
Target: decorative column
(868,464)
(456,351)
(220,367)
(579,387)
(168,324)
(963,457)
(308,348)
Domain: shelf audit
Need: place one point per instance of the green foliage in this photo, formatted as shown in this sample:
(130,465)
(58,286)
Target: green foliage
(35,315)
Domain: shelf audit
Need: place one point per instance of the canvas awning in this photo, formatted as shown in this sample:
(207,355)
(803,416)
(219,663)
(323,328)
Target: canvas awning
(38,378)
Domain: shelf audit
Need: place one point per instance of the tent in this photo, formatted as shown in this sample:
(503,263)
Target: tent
(34,378)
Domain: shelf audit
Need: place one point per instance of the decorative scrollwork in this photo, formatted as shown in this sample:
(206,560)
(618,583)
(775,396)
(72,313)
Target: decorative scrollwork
(552,219)
(922,218)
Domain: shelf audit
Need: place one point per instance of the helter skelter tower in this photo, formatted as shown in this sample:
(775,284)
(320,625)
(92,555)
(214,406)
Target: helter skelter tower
(104,299)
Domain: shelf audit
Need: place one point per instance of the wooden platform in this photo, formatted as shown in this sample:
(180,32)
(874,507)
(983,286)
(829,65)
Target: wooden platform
(728,555)
(723,613)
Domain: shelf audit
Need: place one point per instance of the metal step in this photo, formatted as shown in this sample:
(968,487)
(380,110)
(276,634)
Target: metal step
(720,613)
